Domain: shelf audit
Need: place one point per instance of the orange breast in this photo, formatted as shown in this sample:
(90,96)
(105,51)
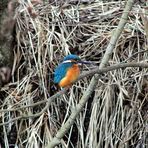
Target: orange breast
(71,76)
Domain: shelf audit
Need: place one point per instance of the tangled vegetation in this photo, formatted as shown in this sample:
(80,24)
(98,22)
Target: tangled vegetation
(115,114)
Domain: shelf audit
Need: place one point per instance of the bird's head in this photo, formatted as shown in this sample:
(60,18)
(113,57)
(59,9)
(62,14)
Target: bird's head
(71,59)
(74,59)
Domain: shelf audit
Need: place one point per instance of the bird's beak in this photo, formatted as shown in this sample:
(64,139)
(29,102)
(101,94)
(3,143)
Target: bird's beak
(85,62)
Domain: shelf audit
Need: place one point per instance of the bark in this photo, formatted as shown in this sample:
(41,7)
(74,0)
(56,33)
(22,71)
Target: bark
(7,23)
(6,35)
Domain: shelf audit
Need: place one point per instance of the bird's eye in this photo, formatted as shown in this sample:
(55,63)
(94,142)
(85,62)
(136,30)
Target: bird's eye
(74,61)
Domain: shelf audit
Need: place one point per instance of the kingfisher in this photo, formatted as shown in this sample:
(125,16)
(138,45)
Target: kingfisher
(68,71)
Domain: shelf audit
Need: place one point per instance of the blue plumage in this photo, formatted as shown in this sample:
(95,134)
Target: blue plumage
(71,57)
(61,70)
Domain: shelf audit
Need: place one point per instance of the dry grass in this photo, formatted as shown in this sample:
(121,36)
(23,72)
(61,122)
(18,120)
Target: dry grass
(115,115)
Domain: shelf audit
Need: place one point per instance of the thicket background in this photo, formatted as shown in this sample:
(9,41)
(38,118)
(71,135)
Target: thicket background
(115,115)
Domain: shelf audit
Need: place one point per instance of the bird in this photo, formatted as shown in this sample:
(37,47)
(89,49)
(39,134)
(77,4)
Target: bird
(67,72)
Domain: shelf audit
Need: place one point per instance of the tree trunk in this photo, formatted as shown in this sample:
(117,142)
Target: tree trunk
(7,23)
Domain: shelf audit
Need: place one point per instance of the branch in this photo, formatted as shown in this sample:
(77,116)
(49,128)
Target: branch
(111,68)
(83,75)
(35,104)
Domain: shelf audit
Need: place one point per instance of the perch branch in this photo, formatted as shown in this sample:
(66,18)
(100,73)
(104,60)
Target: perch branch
(83,75)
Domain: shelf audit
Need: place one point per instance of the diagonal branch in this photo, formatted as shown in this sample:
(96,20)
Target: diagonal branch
(88,73)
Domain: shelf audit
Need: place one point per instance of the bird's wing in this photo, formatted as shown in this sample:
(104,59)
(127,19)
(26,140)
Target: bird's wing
(61,71)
